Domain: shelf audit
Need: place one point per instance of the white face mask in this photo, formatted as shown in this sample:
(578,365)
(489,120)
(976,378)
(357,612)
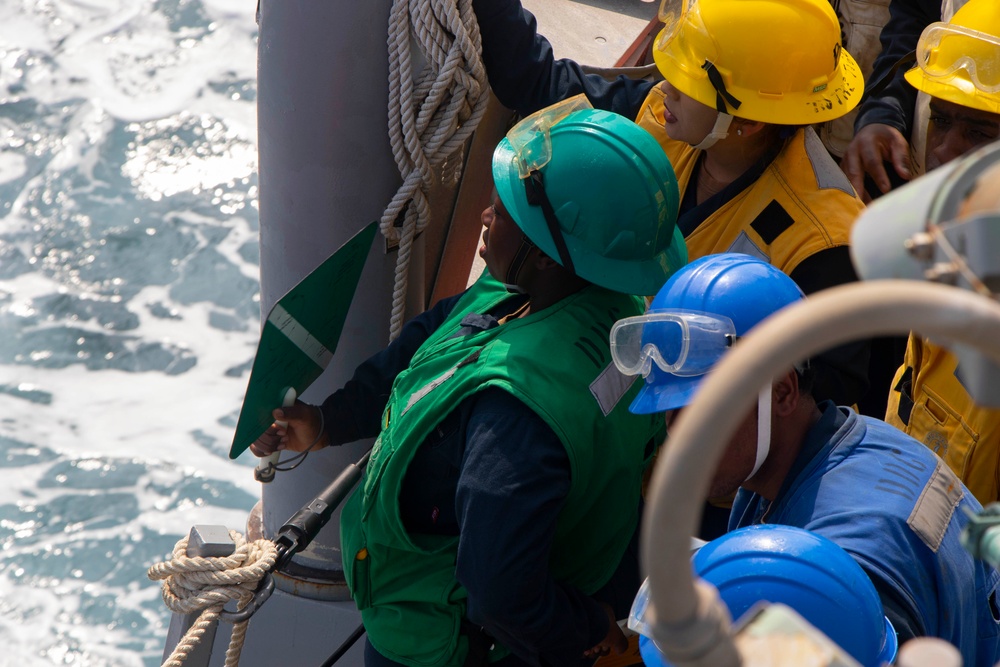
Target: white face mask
(763,429)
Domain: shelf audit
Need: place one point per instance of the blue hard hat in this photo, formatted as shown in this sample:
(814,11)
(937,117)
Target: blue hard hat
(810,574)
(651,656)
(804,571)
(731,287)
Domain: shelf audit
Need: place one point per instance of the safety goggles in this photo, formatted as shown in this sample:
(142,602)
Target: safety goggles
(944,49)
(683,343)
(531,138)
(672,14)
(531,141)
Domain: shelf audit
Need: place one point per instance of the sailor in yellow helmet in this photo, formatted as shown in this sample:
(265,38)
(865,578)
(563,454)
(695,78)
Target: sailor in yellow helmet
(958,65)
(889,145)
(744,81)
(719,82)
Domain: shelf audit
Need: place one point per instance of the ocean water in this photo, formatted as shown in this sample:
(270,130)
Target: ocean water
(129,309)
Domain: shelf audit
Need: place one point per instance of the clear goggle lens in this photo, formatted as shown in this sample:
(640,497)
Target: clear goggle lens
(683,343)
(672,13)
(637,621)
(531,139)
(944,49)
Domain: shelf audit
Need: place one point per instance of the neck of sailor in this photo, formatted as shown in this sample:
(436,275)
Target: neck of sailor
(745,144)
(793,414)
(546,282)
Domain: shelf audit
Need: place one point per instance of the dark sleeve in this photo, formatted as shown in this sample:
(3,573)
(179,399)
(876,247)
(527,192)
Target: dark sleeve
(515,478)
(905,621)
(894,105)
(619,593)
(355,411)
(841,373)
(524,74)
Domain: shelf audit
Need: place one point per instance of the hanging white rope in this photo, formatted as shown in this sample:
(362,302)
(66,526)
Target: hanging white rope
(196,584)
(431,116)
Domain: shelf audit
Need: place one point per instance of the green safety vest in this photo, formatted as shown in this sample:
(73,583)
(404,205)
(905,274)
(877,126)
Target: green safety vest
(558,363)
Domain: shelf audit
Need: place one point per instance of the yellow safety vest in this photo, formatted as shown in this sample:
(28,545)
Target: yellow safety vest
(801,204)
(929,403)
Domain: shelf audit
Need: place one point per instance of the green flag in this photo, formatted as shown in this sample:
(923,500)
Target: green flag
(300,335)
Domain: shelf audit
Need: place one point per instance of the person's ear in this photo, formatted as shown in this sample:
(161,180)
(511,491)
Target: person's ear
(785,396)
(748,128)
(543,262)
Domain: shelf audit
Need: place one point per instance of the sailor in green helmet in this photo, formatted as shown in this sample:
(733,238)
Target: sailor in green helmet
(497,517)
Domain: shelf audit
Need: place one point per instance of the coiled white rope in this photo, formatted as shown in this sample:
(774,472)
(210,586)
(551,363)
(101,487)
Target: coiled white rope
(430,117)
(193,584)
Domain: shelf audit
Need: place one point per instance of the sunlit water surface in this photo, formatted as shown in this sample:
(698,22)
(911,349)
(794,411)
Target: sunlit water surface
(128,309)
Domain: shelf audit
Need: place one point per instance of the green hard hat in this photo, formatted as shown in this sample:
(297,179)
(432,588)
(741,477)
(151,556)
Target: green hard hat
(611,188)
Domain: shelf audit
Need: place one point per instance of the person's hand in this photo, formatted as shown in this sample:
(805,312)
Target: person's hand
(300,428)
(613,642)
(871,148)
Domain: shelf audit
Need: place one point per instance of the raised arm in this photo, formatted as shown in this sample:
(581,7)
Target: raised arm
(526,76)
(885,121)
(893,106)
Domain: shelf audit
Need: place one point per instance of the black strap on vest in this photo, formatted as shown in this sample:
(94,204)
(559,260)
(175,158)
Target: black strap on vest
(534,187)
(721,94)
(905,389)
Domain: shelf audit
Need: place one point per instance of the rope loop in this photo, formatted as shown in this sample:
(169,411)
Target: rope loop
(195,584)
(430,115)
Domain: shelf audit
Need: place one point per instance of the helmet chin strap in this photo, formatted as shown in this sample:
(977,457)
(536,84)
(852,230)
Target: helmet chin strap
(763,429)
(719,131)
(517,263)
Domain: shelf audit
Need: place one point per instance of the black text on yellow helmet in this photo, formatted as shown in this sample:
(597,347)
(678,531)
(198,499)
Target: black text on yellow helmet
(773,61)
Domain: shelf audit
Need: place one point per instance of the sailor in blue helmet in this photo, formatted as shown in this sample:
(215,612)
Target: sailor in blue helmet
(880,495)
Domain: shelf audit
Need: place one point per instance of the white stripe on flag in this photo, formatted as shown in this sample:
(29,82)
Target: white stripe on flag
(299,336)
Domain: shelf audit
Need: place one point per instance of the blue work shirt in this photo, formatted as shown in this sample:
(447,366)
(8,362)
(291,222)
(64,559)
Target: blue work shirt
(892,504)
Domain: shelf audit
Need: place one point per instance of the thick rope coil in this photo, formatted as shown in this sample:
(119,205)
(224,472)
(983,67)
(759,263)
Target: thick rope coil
(430,117)
(196,584)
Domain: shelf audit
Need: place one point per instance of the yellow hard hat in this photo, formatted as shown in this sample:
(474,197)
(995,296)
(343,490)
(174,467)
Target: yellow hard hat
(773,61)
(959,61)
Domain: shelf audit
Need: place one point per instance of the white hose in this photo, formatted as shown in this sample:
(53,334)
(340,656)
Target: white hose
(686,621)
(430,117)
